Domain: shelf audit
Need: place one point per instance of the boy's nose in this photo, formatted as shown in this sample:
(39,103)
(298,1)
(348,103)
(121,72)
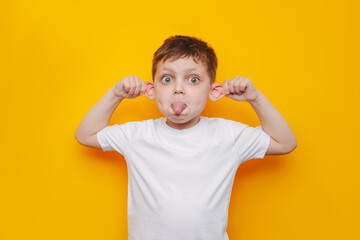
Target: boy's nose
(178,88)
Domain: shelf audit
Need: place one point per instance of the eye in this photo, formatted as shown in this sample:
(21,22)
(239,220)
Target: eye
(193,80)
(166,79)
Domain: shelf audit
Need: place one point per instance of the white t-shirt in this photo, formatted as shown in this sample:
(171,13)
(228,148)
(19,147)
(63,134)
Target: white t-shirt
(180,181)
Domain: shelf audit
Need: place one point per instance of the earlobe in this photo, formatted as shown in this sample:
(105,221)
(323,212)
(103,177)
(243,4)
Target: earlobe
(150,91)
(217,92)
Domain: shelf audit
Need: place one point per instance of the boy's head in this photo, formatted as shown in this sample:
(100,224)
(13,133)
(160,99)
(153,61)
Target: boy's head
(178,46)
(183,79)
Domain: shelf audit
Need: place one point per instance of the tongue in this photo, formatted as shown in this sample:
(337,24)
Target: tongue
(178,107)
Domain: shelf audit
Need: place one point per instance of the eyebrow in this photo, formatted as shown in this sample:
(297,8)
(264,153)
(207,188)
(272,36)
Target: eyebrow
(171,70)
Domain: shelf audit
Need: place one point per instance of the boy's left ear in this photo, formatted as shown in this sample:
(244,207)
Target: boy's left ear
(216,92)
(150,91)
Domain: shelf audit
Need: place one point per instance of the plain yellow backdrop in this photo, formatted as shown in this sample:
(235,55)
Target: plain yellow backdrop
(58,58)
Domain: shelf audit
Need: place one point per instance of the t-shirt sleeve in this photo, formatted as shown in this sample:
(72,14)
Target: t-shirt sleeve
(115,137)
(250,142)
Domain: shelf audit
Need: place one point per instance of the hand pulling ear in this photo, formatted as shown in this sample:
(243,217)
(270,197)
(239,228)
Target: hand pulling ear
(150,91)
(217,92)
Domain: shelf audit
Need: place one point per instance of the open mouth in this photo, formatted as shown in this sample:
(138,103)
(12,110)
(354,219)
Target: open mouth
(178,107)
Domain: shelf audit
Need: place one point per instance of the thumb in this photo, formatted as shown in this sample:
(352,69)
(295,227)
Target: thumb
(143,87)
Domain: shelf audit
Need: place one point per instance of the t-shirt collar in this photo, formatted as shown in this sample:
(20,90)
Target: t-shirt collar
(166,129)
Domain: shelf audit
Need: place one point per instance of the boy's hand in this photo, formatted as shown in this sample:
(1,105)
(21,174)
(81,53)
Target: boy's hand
(130,87)
(240,89)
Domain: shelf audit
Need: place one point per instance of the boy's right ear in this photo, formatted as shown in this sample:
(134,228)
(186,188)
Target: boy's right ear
(150,91)
(216,92)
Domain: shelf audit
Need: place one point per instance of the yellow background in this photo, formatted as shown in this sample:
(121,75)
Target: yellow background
(58,58)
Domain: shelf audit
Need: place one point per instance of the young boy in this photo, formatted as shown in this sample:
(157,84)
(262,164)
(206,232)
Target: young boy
(181,168)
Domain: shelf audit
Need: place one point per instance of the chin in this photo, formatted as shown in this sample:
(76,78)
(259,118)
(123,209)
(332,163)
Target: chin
(178,119)
(183,119)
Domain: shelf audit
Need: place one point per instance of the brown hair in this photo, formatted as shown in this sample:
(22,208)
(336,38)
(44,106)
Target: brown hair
(178,46)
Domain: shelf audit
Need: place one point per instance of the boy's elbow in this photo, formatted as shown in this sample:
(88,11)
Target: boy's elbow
(277,148)
(79,138)
(291,146)
(91,141)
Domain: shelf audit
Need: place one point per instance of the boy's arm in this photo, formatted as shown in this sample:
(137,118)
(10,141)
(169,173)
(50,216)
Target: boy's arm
(273,123)
(99,115)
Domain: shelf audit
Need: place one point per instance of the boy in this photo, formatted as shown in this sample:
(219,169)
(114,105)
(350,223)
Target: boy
(181,168)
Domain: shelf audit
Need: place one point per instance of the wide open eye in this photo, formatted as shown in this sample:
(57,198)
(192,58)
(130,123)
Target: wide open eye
(193,80)
(166,79)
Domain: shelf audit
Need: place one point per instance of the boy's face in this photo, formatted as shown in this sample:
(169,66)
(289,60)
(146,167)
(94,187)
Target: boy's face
(181,89)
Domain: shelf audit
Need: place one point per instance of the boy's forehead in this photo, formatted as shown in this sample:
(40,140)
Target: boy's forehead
(181,65)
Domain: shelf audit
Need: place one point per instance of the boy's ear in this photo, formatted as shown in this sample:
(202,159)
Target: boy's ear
(216,92)
(150,91)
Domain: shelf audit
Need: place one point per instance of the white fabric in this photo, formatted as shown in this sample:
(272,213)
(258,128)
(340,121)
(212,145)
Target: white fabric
(180,181)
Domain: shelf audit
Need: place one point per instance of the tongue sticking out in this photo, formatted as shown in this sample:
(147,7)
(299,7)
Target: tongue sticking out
(178,107)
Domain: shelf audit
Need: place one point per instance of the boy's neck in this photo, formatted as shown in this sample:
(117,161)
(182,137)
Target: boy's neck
(186,125)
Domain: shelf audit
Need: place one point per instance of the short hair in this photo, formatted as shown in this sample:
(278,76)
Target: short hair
(179,46)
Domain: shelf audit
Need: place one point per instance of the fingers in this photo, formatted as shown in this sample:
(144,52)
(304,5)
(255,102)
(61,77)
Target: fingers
(226,87)
(133,86)
(236,85)
(125,85)
(243,84)
(143,88)
(240,89)
(137,86)
(140,87)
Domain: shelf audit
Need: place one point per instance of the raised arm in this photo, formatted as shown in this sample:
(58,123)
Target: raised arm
(273,123)
(99,115)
